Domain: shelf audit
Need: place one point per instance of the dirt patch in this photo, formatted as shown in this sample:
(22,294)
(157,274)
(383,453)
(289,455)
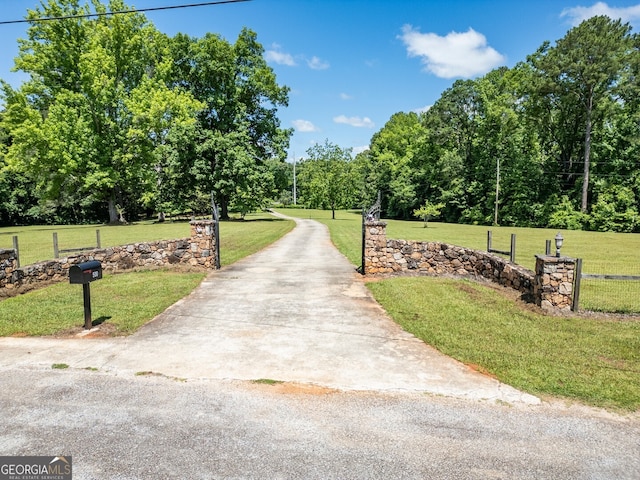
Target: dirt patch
(103,330)
(292,388)
(373,279)
(469,290)
(14,292)
(482,370)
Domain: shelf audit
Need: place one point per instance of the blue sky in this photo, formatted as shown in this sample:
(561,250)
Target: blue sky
(351,64)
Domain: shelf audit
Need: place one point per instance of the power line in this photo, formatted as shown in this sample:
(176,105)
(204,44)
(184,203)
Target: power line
(121,12)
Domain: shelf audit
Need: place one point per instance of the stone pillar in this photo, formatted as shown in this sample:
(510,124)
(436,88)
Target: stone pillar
(202,245)
(375,248)
(8,265)
(553,283)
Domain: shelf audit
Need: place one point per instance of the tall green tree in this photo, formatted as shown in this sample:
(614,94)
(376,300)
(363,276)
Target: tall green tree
(237,142)
(16,191)
(395,163)
(507,154)
(326,178)
(583,70)
(448,159)
(87,123)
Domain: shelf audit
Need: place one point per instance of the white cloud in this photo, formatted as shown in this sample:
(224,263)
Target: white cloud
(345,96)
(276,55)
(578,14)
(357,150)
(424,109)
(316,64)
(454,55)
(304,126)
(354,121)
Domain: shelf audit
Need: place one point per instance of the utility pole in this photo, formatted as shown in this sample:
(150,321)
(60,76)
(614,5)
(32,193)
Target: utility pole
(495,213)
(294,180)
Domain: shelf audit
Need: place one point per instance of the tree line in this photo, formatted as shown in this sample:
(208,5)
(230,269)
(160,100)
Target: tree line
(552,142)
(117,120)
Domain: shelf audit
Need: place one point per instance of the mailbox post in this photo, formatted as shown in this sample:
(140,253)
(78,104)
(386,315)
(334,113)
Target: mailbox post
(84,274)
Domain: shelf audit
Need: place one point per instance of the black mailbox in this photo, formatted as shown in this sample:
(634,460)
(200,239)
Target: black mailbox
(86,272)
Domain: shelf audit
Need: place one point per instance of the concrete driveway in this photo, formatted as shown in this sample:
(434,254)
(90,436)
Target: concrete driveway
(296,312)
(361,399)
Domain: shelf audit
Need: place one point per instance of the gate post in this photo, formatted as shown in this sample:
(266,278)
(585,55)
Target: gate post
(203,244)
(375,248)
(374,237)
(576,285)
(554,282)
(16,247)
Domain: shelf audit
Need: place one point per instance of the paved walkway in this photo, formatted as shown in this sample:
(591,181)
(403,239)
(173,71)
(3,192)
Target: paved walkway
(296,311)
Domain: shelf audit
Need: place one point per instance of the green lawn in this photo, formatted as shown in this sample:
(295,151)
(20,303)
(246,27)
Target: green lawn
(127,301)
(594,360)
(602,253)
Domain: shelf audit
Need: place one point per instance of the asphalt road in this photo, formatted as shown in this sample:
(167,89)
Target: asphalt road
(149,427)
(359,398)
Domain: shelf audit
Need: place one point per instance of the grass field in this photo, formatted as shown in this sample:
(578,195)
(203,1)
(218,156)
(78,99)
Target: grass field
(129,300)
(602,253)
(36,242)
(594,360)
(126,301)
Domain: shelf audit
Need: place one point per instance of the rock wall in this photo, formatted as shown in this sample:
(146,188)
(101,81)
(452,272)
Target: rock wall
(198,251)
(550,286)
(8,265)
(553,287)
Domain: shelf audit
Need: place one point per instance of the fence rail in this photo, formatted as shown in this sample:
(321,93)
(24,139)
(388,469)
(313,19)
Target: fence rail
(606,292)
(511,252)
(57,251)
(631,278)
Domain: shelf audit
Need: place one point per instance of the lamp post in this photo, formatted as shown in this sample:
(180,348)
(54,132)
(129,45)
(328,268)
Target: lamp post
(559,241)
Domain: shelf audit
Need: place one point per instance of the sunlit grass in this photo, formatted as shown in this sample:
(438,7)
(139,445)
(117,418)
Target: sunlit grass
(592,360)
(610,253)
(129,300)
(126,301)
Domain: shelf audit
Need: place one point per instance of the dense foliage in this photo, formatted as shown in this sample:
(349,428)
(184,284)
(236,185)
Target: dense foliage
(554,141)
(117,119)
(326,178)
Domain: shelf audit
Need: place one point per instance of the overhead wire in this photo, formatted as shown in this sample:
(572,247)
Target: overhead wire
(121,12)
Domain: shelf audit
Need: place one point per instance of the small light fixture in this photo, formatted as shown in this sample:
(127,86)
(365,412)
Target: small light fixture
(559,241)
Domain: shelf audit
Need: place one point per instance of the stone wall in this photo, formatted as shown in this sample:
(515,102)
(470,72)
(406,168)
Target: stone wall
(198,251)
(384,256)
(553,287)
(8,265)
(550,286)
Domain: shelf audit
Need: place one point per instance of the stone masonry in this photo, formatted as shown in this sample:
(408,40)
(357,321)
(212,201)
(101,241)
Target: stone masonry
(553,287)
(198,251)
(550,286)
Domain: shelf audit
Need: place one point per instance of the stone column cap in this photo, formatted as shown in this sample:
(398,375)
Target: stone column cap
(193,222)
(379,223)
(554,259)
